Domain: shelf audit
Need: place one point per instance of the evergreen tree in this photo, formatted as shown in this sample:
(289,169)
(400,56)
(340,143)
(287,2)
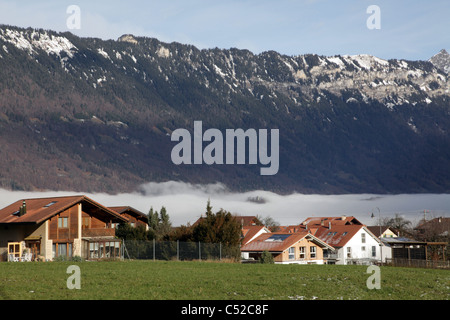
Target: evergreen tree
(164,226)
(220,227)
(159,224)
(153,219)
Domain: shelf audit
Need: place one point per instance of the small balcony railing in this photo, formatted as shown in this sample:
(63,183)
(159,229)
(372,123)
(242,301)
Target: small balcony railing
(97,233)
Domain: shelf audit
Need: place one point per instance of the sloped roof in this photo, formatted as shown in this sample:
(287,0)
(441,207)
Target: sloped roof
(41,209)
(292,228)
(250,232)
(337,235)
(401,241)
(265,241)
(439,224)
(376,230)
(247,220)
(325,221)
(130,210)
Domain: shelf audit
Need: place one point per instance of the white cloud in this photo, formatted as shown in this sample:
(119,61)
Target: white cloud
(186,202)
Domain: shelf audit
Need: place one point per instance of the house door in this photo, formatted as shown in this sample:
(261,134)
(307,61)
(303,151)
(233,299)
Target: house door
(35,247)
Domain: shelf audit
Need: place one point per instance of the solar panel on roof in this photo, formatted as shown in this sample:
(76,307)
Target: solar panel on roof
(278,237)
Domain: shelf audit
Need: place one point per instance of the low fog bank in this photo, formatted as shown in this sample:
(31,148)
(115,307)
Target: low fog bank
(186,202)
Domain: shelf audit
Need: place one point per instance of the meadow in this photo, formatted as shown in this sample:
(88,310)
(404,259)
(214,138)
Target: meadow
(194,280)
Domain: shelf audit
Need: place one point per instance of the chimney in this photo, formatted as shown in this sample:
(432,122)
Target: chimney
(329,225)
(23,209)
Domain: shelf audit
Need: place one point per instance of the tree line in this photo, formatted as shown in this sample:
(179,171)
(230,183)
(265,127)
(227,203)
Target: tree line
(218,227)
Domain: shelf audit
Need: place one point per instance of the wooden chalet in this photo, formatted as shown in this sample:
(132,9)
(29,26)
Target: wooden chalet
(48,228)
(135,217)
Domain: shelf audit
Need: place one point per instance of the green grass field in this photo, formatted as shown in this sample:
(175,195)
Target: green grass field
(172,280)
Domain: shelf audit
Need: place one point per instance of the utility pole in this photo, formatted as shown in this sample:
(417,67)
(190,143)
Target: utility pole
(379,224)
(424,215)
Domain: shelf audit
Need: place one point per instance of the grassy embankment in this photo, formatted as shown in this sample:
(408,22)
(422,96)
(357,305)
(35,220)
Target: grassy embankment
(172,280)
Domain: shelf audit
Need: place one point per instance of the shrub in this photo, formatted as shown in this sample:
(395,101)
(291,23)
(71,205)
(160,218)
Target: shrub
(266,257)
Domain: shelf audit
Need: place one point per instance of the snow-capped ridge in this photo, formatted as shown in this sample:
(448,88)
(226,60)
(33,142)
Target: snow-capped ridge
(49,43)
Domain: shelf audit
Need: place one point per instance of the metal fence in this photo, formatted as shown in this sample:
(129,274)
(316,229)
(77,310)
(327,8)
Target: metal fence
(178,250)
(435,264)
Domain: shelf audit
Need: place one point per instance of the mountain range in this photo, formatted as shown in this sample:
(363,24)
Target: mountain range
(93,115)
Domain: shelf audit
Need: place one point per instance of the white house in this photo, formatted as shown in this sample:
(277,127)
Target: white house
(354,244)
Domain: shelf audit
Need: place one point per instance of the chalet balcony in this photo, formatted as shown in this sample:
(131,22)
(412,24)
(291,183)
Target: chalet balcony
(330,255)
(98,232)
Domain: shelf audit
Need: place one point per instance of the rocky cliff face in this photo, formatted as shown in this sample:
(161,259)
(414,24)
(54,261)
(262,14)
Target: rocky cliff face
(105,111)
(441,60)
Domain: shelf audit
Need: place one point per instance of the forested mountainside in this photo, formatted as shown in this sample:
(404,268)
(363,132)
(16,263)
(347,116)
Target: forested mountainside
(85,114)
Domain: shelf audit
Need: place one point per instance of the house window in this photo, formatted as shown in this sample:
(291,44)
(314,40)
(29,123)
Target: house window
(63,222)
(374,251)
(349,252)
(363,238)
(85,223)
(302,252)
(62,250)
(363,248)
(312,251)
(291,253)
(93,250)
(50,204)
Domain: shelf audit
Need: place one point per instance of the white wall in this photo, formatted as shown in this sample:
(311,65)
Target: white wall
(356,244)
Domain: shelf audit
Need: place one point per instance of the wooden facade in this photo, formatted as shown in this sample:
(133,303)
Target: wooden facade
(135,217)
(61,227)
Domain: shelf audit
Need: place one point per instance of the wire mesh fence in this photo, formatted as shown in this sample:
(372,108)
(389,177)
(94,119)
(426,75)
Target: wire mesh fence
(434,264)
(178,250)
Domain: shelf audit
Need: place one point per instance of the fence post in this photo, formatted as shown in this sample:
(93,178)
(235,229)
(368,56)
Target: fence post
(178,250)
(153,249)
(199,252)
(220,251)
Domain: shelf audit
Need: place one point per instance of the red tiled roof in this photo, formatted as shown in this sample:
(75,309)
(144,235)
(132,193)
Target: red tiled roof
(129,210)
(439,224)
(337,235)
(292,229)
(247,220)
(41,209)
(263,243)
(325,221)
(250,231)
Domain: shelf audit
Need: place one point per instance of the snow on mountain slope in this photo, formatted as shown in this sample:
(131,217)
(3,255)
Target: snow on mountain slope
(311,76)
(441,60)
(29,41)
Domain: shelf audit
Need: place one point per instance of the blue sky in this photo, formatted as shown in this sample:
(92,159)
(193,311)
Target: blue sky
(413,30)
